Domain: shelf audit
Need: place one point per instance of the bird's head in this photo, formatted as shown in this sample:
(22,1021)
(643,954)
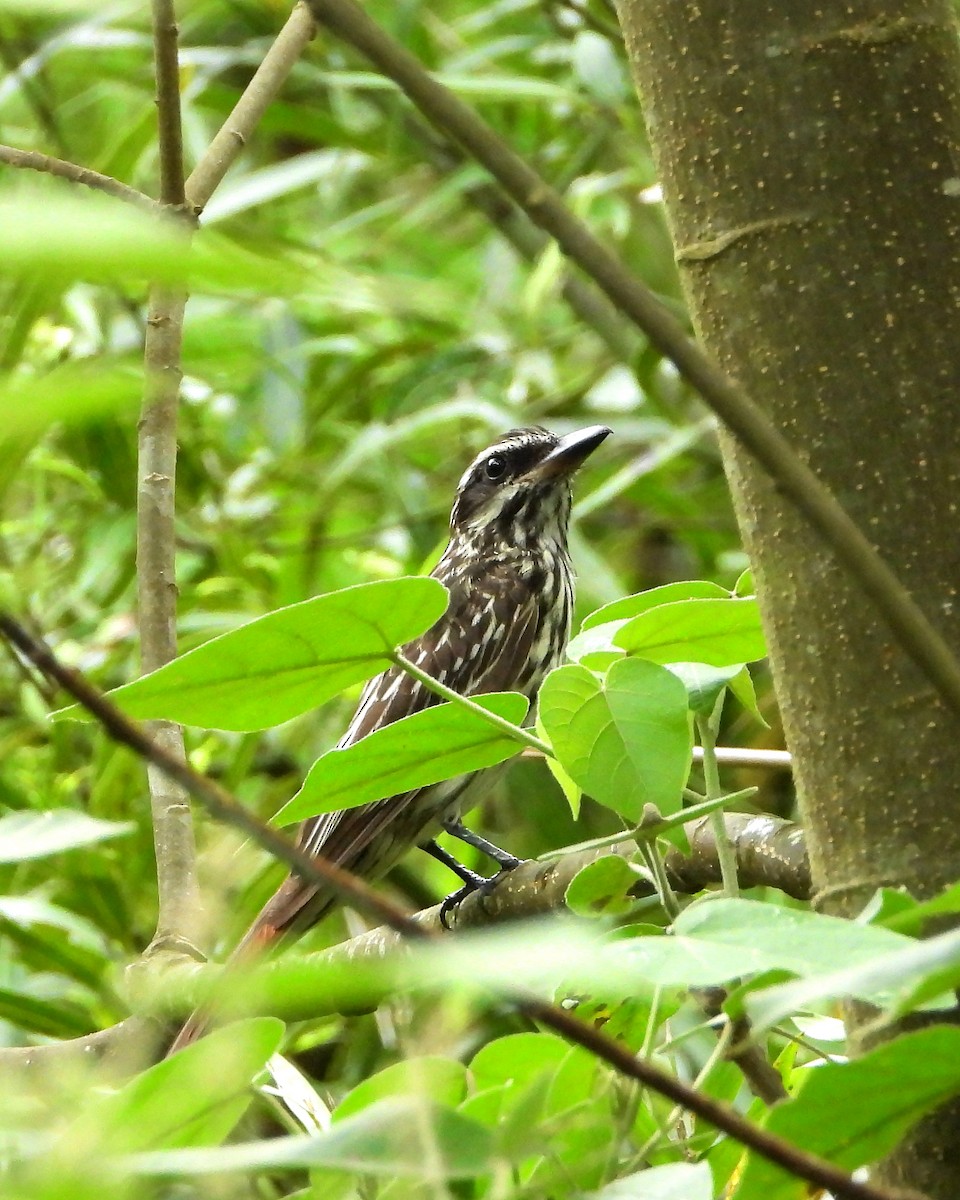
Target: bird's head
(516,493)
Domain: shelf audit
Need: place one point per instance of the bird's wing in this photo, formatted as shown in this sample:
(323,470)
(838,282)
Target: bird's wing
(474,648)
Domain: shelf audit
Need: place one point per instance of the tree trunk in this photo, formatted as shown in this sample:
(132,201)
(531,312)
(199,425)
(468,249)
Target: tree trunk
(810,161)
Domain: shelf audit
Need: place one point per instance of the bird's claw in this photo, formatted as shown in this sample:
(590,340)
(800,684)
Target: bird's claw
(478,883)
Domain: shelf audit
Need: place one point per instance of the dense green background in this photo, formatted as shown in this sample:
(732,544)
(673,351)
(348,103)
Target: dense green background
(359,334)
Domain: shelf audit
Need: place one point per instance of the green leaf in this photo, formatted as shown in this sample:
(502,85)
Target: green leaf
(289,661)
(900,980)
(192,1099)
(26,835)
(791,938)
(72,392)
(439,743)
(742,687)
(855,1113)
(602,887)
(101,240)
(625,740)
(717,632)
(392,1138)
(629,607)
(704,684)
(672,1181)
(572,793)
(442,1080)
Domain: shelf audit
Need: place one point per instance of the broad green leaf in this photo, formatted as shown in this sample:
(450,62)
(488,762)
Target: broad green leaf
(625,740)
(791,938)
(289,661)
(909,916)
(439,743)
(717,632)
(595,645)
(855,1113)
(602,887)
(442,1080)
(672,1181)
(192,1099)
(72,393)
(704,684)
(742,687)
(573,794)
(28,834)
(629,607)
(899,980)
(392,1138)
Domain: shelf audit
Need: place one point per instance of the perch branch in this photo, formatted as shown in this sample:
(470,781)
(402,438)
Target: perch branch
(746,420)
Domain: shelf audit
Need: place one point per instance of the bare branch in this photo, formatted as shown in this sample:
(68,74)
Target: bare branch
(166,57)
(178,892)
(32,160)
(263,88)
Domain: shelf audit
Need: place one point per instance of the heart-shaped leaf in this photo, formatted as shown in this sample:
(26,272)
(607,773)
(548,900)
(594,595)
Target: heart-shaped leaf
(626,739)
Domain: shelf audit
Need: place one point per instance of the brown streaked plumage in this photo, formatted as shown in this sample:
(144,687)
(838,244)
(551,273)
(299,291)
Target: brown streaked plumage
(508,572)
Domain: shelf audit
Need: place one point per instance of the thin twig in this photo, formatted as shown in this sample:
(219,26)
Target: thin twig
(32,160)
(707,727)
(175,848)
(521,736)
(743,416)
(262,89)
(319,870)
(166,56)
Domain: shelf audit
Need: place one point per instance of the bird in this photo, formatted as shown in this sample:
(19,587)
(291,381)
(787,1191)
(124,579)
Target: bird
(510,580)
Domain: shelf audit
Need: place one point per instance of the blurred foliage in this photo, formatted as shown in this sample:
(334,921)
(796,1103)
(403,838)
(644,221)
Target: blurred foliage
(330,404)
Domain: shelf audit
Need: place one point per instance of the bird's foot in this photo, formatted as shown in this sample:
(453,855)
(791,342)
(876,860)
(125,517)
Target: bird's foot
(479,883)
(472,882)
(503,858)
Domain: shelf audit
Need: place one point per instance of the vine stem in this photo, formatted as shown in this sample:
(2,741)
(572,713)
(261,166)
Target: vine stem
(726,853)
(522,736)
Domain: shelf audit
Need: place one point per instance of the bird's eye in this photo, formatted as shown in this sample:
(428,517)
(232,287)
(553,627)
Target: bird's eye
(495,467)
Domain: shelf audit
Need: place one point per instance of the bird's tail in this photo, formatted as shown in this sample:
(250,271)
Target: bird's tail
(256,942)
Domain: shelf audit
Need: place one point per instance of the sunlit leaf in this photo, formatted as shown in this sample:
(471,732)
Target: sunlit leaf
(288,661)
(72,393)
(91,237)
(855,1113)
(193,1098)
(717,632)
(427,747)
(393,1138)
(626,739)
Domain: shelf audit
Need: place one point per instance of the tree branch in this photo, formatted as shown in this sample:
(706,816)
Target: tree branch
(32,160)
(178,892)
(263,88)
(915,634)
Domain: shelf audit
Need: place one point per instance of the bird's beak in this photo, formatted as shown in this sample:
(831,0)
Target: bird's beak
(570,453)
